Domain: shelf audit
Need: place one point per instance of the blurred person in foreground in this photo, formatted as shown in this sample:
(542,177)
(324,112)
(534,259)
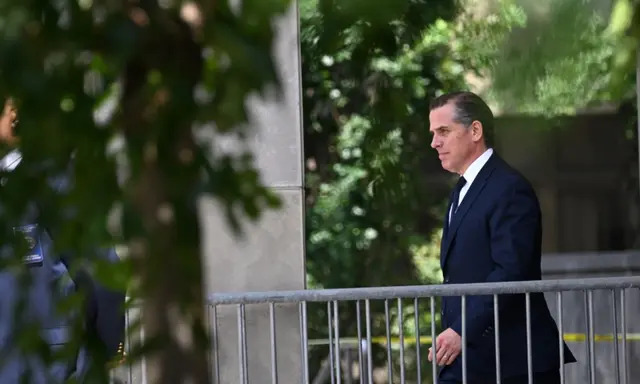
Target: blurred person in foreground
(492,233)
(31,304)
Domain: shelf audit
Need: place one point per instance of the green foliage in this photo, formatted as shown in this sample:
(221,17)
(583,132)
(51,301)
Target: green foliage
(426,258)
(569,55)
(480,33)
(624,31)
(103,87)
(366,82)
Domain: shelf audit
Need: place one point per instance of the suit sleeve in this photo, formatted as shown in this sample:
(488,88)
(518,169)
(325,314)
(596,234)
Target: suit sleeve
(515,235)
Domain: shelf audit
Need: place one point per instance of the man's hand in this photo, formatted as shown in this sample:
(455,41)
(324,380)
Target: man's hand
(449,345)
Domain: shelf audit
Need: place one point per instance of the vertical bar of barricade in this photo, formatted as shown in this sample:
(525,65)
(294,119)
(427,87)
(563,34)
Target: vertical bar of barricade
(274,357)
(367,306)
(401,337)
(434,346)
(592,348)
(143,363)
(616,343)
(359,330)
(587,331)
(216,355)
(127,328)
(464,338)
(623,325)
(388,331)
(305,343)
(496,329)
(527,298)
(560,336)
(242,344)
(416,315)
(338,355)
(331,358)
(210,351)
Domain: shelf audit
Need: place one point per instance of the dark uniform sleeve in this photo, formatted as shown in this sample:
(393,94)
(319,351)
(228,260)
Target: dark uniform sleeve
(104,307)
(108,315)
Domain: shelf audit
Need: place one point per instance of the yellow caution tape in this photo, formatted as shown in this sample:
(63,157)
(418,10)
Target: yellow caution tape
(607,337)
(409,340)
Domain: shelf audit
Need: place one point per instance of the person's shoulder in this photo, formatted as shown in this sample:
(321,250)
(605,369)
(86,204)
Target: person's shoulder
(511,178)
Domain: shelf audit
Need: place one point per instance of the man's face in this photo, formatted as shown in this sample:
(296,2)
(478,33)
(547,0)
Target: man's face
(454,142)
(7,119)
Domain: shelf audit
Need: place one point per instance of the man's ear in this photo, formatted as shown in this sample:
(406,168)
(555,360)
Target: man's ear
(477,131)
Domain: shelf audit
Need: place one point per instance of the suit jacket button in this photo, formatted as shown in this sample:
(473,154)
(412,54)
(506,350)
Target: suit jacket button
(446,280)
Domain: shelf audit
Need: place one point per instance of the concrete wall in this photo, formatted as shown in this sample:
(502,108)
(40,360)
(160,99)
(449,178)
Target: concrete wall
(583,170)
(270,256)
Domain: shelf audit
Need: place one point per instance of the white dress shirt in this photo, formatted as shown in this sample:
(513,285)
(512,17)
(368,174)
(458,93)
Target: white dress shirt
(471,173)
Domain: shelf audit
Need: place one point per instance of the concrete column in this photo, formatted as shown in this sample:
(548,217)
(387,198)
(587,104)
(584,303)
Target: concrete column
(270,255)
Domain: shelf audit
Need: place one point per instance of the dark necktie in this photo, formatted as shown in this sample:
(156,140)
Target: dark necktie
(456,195)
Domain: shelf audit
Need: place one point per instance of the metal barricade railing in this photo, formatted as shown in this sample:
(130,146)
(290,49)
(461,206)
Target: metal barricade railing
(237,347)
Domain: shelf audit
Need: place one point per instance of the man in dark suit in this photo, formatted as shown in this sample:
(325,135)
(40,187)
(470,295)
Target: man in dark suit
(35,282)
(492,233)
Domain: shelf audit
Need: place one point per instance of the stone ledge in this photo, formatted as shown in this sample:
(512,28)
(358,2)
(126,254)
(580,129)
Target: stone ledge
(584,264)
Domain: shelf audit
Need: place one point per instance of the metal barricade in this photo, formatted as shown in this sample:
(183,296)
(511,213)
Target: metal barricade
(351,358)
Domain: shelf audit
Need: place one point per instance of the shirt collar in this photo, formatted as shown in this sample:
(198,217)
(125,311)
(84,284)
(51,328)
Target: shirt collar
(472,172)
(10,161)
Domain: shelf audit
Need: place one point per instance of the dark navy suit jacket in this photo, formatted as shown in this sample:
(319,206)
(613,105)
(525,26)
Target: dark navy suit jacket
(494,236)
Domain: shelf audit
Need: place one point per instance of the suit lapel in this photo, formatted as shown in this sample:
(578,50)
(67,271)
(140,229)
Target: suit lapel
(472,194)
(445,224)
(445,229)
